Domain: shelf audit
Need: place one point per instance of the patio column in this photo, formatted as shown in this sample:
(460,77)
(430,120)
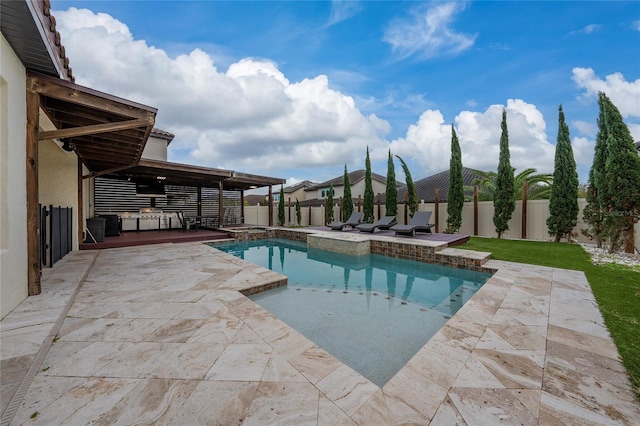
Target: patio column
(79,229)
(33,225)
(220,205)
(270,205)
(242,206)
(199,208)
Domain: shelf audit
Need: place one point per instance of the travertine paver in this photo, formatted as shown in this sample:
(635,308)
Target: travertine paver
(160,335)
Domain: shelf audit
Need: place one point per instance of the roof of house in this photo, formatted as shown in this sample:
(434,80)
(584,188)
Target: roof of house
(293,188)
(162,134)
(254,199)
(426,188)
(30,29)
(354,177)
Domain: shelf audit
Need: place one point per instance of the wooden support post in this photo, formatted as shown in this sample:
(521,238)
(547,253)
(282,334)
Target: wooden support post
(289,209)
(475,209)
(629,245)
(309,213)
(33,225)
(437,196)
(220,205)
(80,227)
(379,201)
(270,206)
(199,208)
(406,212)
(340,217)
(359,203)
(241,206)
(525,190)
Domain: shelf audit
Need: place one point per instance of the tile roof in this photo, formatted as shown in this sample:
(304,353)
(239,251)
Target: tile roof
(162,134)
(425,188)
(354,177)
(30,29)
(293,188)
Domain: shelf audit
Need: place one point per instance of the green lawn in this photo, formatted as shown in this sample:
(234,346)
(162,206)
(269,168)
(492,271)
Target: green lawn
(616,288)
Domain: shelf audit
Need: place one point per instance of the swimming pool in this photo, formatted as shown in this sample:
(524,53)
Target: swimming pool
(372,312)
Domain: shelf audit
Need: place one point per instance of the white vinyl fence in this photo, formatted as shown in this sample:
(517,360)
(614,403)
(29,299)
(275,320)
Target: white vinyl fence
(536,218)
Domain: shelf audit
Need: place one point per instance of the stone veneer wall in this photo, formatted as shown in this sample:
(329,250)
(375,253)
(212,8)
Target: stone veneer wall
(291,235)
(425,254)
(349,247)
(385,248)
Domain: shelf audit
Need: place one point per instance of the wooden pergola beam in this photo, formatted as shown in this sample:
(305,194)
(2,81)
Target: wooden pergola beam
(96,128)
(70,92)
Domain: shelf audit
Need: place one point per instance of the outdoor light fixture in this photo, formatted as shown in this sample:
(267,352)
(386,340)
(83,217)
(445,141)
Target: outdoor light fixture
(66,144)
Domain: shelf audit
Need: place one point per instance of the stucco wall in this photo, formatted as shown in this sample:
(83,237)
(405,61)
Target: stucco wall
(13,198)
(58,180)
(155,149)
(356,189)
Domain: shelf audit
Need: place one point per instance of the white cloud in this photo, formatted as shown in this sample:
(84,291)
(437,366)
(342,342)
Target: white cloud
(428,142)
(249,118)
(583,149)
(428,33)
(625,95)
(585,128)
(587,29)
(636,25)
(342,10)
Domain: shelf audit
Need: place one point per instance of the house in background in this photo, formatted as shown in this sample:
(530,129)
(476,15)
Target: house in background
(320,191)
(426,188)
(293,192)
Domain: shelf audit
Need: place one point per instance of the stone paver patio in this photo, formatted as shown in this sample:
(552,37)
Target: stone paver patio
(161,335)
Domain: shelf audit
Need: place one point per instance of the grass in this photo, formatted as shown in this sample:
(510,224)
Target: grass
(615,287)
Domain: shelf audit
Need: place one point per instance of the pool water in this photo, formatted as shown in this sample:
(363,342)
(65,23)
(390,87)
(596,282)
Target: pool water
(371,312)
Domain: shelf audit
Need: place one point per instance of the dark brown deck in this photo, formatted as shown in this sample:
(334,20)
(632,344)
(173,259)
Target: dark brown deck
(131,238)
(450,239)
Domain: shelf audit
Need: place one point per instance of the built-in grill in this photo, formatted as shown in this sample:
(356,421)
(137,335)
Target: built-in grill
(148,218)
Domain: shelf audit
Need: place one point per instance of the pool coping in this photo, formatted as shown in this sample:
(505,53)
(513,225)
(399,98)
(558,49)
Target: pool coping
(530,346)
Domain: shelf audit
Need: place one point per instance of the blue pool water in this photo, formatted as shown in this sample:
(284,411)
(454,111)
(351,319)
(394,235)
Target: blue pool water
(372,312)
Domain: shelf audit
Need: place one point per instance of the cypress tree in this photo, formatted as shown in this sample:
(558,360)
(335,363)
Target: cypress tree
(298,212)
(347,200)
(367,207)
(412,197)
(391,194)
(281,217)
(622,171)
(593,213)
(455,201)
(504,201)
(563,203)
(328,212)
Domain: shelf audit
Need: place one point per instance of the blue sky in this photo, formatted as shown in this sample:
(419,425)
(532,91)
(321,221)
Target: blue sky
(299,89)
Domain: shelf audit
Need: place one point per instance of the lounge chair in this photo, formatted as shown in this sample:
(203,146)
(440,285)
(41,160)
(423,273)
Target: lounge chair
(418,223)
(385,222)
(353,220)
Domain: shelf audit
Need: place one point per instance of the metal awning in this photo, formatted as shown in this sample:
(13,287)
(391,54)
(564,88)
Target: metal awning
(106,132)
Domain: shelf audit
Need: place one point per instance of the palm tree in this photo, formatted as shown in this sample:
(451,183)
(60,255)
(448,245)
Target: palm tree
(539,184)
